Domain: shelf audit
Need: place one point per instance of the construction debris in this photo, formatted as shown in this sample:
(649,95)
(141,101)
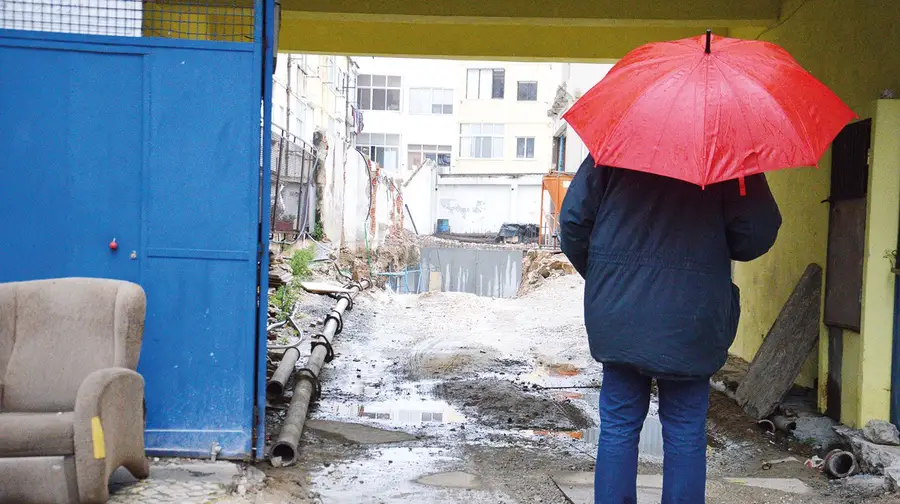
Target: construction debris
(882,433)
(785,349)
(279,271)
(539,265)
(872,458)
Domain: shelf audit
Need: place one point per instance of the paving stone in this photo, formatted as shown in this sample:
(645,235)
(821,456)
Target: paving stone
(787,485)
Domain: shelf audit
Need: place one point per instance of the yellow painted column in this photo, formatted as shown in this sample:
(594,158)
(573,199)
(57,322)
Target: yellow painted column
(876,338)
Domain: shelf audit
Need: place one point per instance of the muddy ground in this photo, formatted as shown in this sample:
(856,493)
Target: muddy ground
(491,395)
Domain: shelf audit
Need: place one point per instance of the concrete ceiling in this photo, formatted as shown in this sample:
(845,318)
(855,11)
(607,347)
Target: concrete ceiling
(594,30)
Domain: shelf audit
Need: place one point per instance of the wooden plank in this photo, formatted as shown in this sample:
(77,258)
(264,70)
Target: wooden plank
(787,346)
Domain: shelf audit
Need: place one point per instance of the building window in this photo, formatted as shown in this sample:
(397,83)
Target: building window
(485,83)
(525,148)
(527,91)
(430,101)
(378,92)
(381,148)
(417,154)
(482,141)
(336,76)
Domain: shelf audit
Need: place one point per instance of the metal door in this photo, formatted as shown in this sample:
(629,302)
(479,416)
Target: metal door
(70,172)
(141,122)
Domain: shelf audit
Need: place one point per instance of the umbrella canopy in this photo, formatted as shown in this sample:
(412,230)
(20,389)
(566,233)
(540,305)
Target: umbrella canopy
(708,109)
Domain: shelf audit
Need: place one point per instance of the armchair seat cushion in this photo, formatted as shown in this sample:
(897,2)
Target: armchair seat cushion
(36,434)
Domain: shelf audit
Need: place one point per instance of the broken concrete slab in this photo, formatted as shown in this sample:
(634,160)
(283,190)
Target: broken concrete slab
(787,485)
(892,478)
(578,487)
(864,486)
(881,432)
(221,473)
(872,458)
(453,479)
(358,433)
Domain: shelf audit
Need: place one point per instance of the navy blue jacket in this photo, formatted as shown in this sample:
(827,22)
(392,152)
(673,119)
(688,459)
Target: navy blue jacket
(656,256)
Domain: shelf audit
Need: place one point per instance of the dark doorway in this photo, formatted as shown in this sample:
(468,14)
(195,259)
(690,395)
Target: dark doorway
(846,245)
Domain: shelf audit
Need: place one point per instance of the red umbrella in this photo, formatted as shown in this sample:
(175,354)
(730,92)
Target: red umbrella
(708,109)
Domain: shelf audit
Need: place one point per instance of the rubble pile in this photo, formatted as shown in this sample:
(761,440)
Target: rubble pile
(279,271)
(538,266)
(398,252)
(876,448)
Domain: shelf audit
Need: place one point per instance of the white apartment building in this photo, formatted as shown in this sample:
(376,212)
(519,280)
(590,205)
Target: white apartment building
(483,124)
(503,122)
(409,108)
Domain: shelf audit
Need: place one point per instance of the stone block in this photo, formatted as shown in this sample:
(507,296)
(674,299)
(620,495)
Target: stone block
(881,432)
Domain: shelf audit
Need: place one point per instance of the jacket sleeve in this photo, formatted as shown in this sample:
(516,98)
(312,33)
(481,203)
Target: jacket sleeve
(578,212)
(752,221)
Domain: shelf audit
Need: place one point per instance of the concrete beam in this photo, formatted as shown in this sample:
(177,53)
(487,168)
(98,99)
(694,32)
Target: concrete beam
(573,42)
(716,12)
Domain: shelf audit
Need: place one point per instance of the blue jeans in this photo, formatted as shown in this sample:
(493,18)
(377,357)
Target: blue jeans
(683,405)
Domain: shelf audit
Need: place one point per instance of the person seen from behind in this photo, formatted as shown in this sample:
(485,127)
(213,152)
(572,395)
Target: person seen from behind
(659,304)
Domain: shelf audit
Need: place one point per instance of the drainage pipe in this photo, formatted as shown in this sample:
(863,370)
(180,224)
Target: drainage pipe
(307,387)
(275,386)
(784,424)
(840,464)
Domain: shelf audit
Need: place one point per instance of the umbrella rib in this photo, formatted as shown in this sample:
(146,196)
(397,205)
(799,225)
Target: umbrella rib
(615,128)
(662,130)
(740,108)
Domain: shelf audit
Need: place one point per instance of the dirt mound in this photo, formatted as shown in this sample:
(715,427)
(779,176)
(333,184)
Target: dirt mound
(538,266)
(503,404)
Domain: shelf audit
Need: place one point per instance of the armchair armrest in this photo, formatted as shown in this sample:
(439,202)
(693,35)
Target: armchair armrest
(109,430)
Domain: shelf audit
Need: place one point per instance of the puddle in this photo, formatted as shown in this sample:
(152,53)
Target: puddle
(416,410)
(559,375)
(357,433)
(403,475)
(453,479)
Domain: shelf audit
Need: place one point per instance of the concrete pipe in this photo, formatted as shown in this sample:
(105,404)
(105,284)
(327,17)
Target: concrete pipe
(840,464)
(275,386)
(307,387)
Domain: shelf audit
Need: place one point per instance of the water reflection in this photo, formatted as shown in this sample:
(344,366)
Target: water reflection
(401,412)
(650,446)
(564,374)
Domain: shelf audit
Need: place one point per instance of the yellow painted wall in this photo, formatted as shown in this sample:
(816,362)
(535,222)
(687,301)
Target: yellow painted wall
(852,47)
(883,217)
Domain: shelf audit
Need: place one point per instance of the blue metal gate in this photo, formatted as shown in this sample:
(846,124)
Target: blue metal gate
(139,122)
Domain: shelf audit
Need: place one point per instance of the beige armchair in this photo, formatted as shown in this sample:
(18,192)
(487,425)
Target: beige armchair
(71,403)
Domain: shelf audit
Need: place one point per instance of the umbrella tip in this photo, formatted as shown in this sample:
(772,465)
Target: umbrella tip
(708,40)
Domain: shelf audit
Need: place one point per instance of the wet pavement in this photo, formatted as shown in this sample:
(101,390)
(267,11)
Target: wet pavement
(454,398)
(492,397)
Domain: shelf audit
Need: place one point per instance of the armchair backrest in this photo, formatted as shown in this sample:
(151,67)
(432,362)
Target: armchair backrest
(54,333)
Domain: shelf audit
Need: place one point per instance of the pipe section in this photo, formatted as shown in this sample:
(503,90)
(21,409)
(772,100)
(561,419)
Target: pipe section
(307,388)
